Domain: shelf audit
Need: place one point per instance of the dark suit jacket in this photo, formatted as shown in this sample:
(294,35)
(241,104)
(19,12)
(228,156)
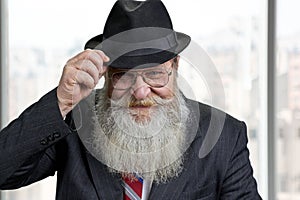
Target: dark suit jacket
(39,143)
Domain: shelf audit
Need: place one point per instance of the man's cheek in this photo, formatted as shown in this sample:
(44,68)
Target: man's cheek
(166,92)
(117,94)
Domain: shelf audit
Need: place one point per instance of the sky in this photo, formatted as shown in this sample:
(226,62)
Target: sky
(59,22)
(288,16)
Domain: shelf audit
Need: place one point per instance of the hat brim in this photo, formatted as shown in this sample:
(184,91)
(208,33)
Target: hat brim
(139,57)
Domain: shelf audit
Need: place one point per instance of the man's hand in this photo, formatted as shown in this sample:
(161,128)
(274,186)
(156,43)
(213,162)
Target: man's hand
(80,76)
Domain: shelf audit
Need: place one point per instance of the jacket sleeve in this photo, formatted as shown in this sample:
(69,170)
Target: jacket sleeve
(26,153)
(239,182)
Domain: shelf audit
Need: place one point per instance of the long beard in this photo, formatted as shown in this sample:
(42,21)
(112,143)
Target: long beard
(151,146)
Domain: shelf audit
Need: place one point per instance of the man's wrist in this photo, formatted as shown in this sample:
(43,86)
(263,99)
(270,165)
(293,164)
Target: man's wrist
(64,108)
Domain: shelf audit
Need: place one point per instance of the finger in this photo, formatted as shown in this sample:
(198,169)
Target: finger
(97,57)
(103,70)
(88,67)
(83,78)
(103,55)
(99,62)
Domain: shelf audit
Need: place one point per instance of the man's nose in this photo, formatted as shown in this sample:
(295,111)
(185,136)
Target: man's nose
(140,90)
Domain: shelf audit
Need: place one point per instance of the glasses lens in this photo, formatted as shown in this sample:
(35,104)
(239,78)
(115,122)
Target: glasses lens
(156,78)
(123,80)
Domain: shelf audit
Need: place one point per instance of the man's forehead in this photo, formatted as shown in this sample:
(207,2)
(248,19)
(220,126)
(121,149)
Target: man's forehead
(141,68)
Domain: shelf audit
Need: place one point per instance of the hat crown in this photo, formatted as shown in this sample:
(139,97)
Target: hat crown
(126,15)
(138,33)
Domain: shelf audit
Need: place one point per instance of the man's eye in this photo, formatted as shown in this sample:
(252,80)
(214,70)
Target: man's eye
(123,75)
(117,76)
(154,74)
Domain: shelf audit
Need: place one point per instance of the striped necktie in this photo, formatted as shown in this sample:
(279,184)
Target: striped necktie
(133,188)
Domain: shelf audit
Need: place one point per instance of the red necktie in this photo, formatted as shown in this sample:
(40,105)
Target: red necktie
(132,188)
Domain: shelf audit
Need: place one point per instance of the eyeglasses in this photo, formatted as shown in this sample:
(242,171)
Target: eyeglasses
(157,77)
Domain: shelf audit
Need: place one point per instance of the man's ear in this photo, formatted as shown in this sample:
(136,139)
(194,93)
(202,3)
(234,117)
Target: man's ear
(176,62)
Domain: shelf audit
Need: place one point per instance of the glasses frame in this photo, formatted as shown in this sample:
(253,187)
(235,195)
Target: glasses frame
(140,72)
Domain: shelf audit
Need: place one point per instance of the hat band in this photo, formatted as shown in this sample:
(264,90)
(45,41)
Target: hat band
(138,48)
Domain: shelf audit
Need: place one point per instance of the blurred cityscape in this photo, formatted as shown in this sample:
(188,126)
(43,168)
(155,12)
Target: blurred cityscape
(237,55)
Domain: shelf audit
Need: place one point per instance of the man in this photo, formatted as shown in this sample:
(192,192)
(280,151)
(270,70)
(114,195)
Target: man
(138,137)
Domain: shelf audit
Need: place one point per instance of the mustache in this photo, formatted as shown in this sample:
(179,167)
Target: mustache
(131,101)
(144,103)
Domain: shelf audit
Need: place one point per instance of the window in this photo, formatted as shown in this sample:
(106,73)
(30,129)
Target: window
(233,34)
(288,45)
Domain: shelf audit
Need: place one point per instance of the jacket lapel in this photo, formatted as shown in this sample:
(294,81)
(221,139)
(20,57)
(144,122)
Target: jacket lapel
(170,190)
(107,186)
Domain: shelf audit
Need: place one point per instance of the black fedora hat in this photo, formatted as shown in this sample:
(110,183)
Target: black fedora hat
(139,34)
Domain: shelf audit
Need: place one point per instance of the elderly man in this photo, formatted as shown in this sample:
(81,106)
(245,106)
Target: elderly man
(136,138)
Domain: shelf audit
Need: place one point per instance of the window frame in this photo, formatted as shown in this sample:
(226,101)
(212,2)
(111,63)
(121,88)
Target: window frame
(267,170)
(3,64)
(271,101)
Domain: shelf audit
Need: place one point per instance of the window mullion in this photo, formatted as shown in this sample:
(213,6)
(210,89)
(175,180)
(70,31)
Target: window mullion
(271,99)
(3,63)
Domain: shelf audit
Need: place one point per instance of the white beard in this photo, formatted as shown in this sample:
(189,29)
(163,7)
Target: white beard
(153,149)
